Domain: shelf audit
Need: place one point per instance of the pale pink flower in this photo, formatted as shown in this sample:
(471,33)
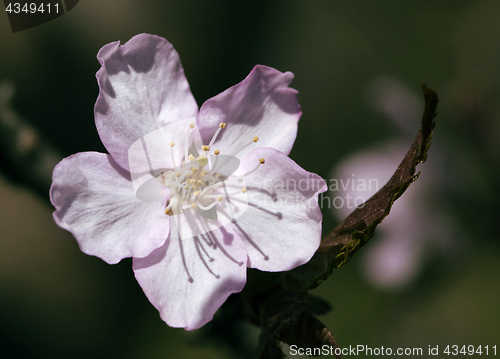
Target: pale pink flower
(193,196)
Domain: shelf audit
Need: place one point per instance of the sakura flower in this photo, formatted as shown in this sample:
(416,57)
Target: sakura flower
(193,196)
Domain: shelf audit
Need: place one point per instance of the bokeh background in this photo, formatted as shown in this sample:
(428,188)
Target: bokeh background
(358,67)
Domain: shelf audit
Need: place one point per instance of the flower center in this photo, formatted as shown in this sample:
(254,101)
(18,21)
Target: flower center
(202,181)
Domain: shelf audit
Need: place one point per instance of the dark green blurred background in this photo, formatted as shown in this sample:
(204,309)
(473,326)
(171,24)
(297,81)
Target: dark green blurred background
(57,302)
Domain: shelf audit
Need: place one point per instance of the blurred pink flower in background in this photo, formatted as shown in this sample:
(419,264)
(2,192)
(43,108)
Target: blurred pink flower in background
(416,227)
(193,196)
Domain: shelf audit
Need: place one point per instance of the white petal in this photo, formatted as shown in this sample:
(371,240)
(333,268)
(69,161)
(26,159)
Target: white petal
(95,200)
(282,224)
(142,88)
(184,285)
(262,106)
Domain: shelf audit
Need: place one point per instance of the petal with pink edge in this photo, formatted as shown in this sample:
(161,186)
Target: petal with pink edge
(141,87)
(262,106)
(188,280)
(95,201)
(282,224)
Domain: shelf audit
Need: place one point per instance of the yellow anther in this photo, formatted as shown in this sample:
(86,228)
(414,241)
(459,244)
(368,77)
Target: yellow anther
(167,211)
(216,152)
(205,148)
(219,199)
(217,175)
(255,139)
(222,125)
(172,144)
(191,158)
(177,175)
(200,181)
(197,193)
(191,125)
(262,161)
(244,190)
(193,205)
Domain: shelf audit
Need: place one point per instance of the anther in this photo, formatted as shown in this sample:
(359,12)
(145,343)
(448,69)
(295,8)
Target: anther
(167,211)
(191,158)
(262,161)
(255,139)
(205,148)
(219,199)
(244,190)
(191,125)
(172,144)
(222,125)
(216,152)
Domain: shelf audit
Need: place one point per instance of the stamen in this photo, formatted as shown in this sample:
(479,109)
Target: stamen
(221,126)
(190,205)
(231,195)
(172,155)
(216,152)
(177,228)
(172,144)
(191,125)
(231,179)
(186,144)
(254,140)
(205,148)
(191,158)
